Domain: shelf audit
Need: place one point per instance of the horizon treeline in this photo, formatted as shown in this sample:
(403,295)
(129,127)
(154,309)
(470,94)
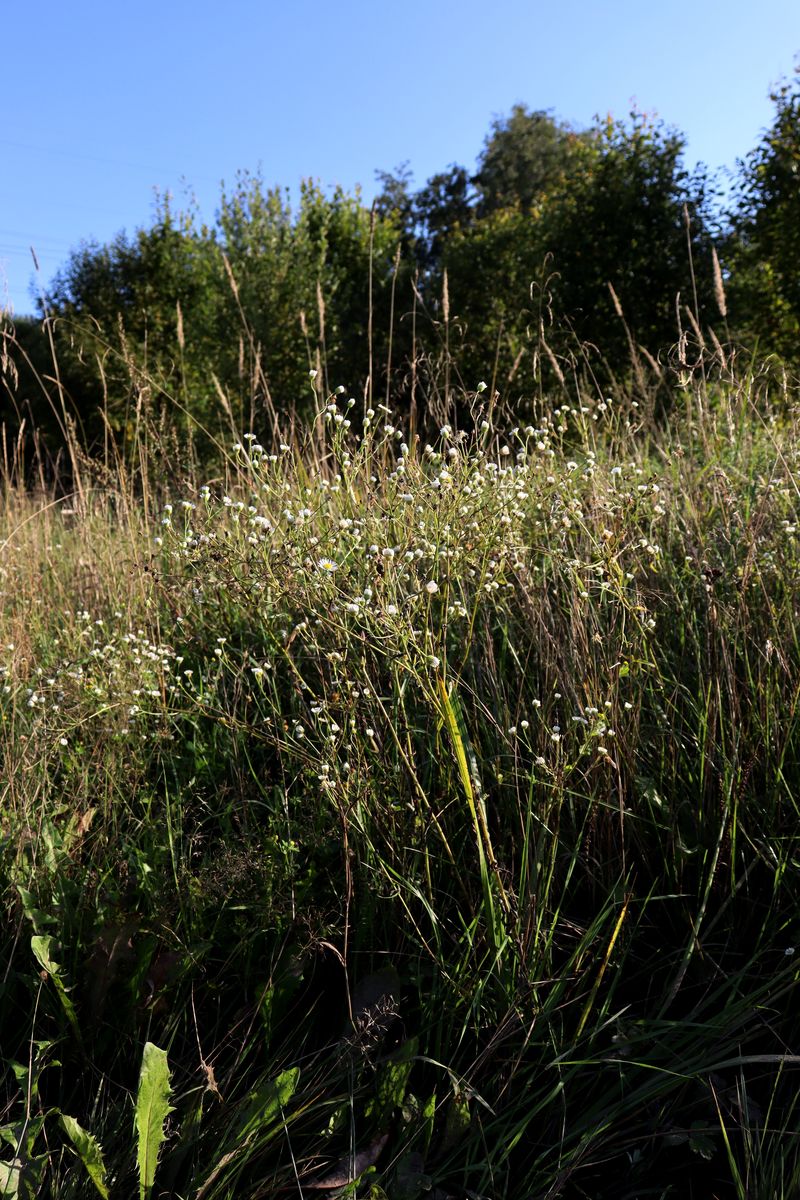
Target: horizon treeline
(568,251)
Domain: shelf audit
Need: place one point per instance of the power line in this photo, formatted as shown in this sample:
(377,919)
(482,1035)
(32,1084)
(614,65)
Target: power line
(35,238)
(25,252)
(104,160)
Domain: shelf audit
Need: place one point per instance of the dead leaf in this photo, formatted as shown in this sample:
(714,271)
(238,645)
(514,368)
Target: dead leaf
(347,1170)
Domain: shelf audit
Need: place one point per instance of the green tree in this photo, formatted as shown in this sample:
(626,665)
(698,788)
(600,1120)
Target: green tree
(194,328)
(763,249)
(28,399)
(304,283)
(524,156)
(621,219)
(136,323)
(615,216)
(445,206)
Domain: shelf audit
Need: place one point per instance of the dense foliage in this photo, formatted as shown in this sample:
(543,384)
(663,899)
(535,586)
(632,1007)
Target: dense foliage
(588,251)
(764,247)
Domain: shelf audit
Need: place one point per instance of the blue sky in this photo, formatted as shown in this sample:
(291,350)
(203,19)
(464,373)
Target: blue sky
(105,102)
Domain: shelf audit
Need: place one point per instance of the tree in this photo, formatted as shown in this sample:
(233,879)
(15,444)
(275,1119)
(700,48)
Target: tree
(763,249)
(194,327)
(304,282)
(27,407)
(524,156)
(135,321)
(621,219)
(395,201)
(615,215)
(443,207)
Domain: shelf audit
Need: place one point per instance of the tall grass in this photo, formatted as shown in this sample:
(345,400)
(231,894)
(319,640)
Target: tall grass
(431,805)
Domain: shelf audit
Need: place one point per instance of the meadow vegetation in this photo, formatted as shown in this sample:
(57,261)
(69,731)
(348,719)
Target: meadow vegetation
(409,812)
(399,768)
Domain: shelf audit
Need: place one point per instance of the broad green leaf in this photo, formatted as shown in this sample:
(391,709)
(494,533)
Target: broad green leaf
(391,1082)
(700,1141)
(89,1152)
(266,1102)
(152,1109)
(410,1180)
(22,1178)
(42,947)
(35,915)
(10,1176)
(457,1120)
(22,1135)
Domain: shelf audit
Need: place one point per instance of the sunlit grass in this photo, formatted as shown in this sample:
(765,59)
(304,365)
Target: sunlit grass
(450,783)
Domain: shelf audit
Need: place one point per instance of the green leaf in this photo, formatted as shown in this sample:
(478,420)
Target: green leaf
(89,1152)
(391,1082)
(22,1135)
(457,1119)
(700,1141)
(35,915)
(42,947)
(428,1114)
(152,1109)
(22,1178)
(266,1102)
(10,1177)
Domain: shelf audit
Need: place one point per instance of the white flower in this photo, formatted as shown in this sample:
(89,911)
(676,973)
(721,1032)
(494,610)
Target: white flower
(327,566)
(431,587)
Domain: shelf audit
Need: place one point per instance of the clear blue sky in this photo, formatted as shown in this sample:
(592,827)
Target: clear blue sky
(103,102)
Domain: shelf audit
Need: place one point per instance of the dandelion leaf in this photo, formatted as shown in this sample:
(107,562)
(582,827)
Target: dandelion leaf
(152,1109)
(88,1150)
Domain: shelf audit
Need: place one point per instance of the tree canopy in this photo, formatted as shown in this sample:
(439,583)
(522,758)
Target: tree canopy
(763,245)
(578,242)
